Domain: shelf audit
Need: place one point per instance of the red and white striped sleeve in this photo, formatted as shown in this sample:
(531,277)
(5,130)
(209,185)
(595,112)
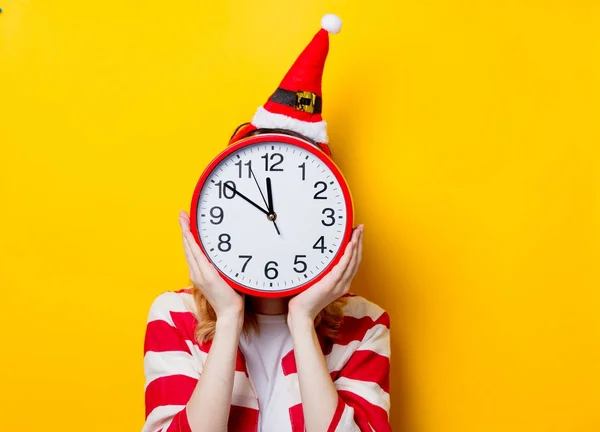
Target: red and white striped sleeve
(362,382)
(170,369)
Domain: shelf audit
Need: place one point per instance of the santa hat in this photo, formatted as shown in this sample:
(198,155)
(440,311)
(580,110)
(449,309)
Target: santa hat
(296,104)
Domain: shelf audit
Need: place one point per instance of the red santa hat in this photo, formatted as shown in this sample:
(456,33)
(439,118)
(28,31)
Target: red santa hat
(297,103)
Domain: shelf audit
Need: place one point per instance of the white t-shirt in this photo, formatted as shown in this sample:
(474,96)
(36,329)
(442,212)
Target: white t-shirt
(264,352)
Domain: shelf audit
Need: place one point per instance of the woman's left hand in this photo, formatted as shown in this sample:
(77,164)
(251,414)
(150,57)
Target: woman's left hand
(335,284)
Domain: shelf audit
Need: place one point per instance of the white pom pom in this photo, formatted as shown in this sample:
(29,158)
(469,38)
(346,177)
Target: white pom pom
(332,23)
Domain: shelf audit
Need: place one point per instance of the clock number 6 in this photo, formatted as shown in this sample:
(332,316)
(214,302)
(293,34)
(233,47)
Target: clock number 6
(299,261)
(271,272)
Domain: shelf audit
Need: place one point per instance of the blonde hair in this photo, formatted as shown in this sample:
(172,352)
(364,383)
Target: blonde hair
(327,323)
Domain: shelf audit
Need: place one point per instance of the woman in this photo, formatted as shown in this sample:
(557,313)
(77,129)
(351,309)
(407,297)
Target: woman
(216,360)
(202,370)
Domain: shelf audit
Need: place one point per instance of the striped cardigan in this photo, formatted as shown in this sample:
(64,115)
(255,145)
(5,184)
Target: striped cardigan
(359,363)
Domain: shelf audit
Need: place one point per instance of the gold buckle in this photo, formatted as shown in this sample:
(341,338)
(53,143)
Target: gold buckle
(305,101)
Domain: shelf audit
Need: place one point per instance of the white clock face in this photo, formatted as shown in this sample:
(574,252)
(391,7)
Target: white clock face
(272,216)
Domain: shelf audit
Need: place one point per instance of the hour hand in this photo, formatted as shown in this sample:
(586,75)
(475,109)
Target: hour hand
(270,196)
(272,215)
(244,197)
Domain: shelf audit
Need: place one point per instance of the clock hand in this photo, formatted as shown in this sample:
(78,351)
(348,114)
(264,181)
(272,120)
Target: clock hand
(258,186)
(276,228)
(271,215)
(270,205)
(244,197)
(270,196)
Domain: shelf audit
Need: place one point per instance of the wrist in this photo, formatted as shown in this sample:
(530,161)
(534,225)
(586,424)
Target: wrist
(232,312)
(299,321)
(230,322)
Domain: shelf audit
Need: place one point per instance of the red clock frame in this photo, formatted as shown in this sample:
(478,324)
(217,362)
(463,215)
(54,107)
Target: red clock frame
(285,139)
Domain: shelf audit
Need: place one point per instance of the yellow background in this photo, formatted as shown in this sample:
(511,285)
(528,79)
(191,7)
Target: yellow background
(469,134)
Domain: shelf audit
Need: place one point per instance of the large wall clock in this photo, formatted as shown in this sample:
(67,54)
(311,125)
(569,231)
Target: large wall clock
(273,214)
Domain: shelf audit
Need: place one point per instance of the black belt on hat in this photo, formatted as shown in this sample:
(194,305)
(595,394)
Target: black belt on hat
(301,100)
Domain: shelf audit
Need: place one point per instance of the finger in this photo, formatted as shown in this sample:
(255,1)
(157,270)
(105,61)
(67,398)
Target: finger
(352,264)
(202,262)
(360,242)
(206,268)
(341,266)
(359,253)
(184,220)
(188,245)
(192,265)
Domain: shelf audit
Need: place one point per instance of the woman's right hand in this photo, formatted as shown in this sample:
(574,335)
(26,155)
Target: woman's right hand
(227,303)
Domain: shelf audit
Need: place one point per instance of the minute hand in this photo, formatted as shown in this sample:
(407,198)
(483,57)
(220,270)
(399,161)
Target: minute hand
(244,197)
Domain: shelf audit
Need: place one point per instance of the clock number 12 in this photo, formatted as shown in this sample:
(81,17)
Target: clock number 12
(275,156)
